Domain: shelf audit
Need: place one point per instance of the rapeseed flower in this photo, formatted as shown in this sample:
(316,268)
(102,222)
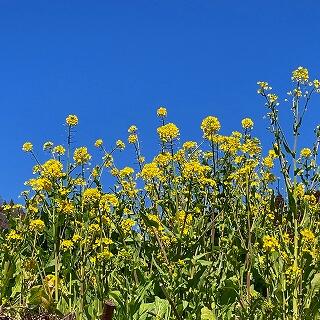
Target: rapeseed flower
(247,123)
(162,112)
(81,155)
(27,147)
(270,244)
(305,153)
(210,126)
(91,196)
(300,75)
(72,120)
(168,132)
(98,143)
(37,225)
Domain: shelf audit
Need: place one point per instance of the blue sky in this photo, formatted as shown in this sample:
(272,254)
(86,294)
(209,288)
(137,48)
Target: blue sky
(114,62)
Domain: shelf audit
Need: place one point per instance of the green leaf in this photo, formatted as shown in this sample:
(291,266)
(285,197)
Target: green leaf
(315,283)
(207,314)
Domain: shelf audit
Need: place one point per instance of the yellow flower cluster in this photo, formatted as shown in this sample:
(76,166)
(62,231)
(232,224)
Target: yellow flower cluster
(229,144)
(150,171)
(293,272)
(168,132)
(66,245)
(308,236)
(14,236)
(37,225)
(300,75)
(52,169)
(210,126)
(189,145)
(184,220)
(270,244)
(163,159)
(132,129)
(47,145)
(305,153)
(247,123)
(60,150)
(27,147)
(66,207)
(94,228)
(162,112)
(299,190)
(81,155)
(120,144)
(194,169)
(72,120)
(91,196)
(40,184)
(252,147)
(125,172)
(263,86)
(98,143)
(108,201)
(126,225)
(104,255)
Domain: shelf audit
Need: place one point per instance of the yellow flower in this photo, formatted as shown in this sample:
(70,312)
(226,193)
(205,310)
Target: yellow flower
(272,97)
(184,220)
(268,162)
(263,86)
(120,144)
(66,207)
(133,138)
(162,112)
(40,184)
(189,145)
(91,196)
(132,129)
(308,236)
(14,236)
(76,237)
(59,150)
(125,172)
(247,123)
(163,159)
(72,120)
(293,272)
(194,169)
(27,147)
(305,153)
(299,190)
(94,228)
(126,225)
(104,255)
(300,75)
(252,147)
(270,243)
(316,83)
(150,171)
(66,245)
(107,201)
(37,225)
(98,143)
(168,132)
(47,145)
(81,155)
(52,169)
(210,126)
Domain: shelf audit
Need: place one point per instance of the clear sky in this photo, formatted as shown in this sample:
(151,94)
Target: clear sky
(114,62)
